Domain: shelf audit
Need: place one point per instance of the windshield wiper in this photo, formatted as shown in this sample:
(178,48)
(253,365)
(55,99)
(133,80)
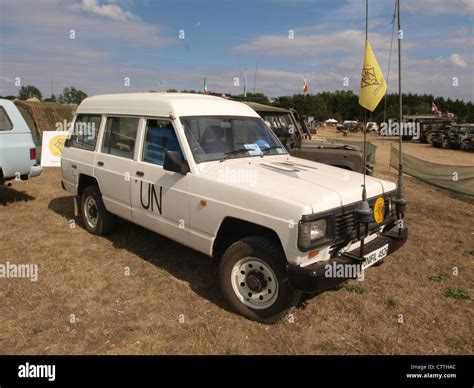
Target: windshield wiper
(232,153)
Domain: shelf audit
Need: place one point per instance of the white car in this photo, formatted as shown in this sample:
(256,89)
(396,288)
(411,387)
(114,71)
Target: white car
(372,126)
(208,173)
(17,149)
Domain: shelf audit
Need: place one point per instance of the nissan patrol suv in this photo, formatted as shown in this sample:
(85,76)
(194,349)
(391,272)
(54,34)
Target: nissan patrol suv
(209,173)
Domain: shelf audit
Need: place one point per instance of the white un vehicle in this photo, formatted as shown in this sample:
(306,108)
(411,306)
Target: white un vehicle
(208,173)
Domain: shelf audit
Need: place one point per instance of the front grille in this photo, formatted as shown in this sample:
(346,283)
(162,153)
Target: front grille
(346,226)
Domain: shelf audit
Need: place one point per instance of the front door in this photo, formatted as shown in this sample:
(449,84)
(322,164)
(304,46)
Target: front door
(160,198)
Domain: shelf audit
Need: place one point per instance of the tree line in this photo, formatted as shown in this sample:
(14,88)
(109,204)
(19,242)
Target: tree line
(344,105)
(340,104)
(70,95)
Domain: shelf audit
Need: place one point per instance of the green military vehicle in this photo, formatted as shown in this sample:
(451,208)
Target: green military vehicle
(429,125)
(468,142)
(457,136)
(293,133)
(467,137)
(438,138)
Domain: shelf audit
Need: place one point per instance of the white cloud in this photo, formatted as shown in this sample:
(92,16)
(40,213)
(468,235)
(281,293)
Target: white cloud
(438,7)
(457,60)
(111,11)
(314,45)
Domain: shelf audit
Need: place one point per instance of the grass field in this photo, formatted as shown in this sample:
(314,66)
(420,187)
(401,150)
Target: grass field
(136,292)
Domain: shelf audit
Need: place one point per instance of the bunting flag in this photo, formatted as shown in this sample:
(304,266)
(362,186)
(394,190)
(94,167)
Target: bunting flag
(435,109)
(305,87)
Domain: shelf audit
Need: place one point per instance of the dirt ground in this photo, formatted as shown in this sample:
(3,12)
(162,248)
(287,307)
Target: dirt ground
(421,151)
(136,292)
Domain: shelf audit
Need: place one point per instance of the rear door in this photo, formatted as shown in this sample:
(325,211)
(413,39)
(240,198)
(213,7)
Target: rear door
(78,153)
(114,163)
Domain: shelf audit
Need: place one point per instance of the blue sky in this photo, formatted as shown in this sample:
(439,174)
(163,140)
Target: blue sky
(138,39)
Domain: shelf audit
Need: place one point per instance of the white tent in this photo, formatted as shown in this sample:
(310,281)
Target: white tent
(331,121)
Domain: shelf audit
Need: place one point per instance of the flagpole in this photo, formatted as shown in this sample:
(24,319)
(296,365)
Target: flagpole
(400,200)
(366,19)
(364,212)
(364,192)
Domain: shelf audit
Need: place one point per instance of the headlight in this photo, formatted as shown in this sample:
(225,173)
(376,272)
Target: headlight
(310,232)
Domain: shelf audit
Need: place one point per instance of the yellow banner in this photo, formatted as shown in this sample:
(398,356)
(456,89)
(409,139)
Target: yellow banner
(372,85)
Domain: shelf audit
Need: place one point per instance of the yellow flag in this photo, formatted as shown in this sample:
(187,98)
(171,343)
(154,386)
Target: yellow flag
(372,85)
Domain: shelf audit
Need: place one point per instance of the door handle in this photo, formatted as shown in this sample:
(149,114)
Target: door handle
(140,173)
(100,164)
(74,166)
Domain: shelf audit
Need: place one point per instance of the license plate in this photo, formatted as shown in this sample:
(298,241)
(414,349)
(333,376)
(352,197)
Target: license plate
(375,256)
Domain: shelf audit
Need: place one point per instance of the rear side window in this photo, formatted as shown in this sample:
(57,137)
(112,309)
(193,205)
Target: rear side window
(119,136)
(85,132)
(5,123)
(160,137)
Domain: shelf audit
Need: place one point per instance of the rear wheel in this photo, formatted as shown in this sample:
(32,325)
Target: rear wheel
(95,216)
(253,278)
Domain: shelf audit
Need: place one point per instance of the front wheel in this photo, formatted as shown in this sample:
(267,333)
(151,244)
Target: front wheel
(253,279)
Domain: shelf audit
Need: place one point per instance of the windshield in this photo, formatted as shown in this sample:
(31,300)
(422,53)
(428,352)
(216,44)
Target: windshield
(215,137)
(277,121)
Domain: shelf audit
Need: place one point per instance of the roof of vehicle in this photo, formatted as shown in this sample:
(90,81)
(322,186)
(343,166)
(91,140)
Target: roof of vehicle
(265,108)
(162,104)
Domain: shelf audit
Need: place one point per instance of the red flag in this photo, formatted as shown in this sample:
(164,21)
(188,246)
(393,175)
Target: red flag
(305,87)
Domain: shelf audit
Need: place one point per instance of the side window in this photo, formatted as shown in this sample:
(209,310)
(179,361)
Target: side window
(85,132)
(5,123)
(119,136)
(160,137)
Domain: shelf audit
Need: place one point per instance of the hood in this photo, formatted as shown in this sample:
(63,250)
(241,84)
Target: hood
(294,180)
(327,144)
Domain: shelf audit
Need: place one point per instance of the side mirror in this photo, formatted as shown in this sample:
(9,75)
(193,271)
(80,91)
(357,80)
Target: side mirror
(174,162)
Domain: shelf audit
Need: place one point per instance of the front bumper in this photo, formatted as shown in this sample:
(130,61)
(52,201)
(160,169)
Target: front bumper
(313,279)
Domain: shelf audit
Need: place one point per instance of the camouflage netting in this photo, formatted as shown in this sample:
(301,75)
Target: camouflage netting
(459,179)
(371,148)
